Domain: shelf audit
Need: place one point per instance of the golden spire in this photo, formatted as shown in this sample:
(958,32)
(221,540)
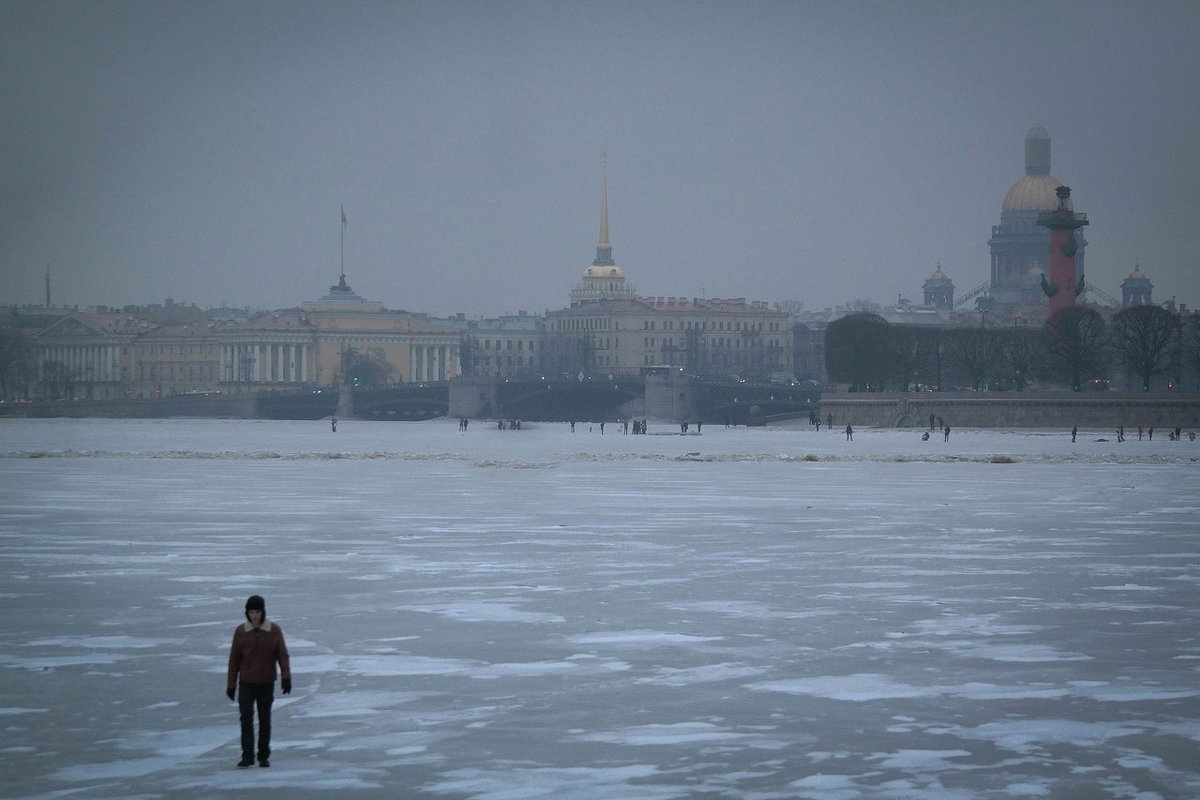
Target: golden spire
(603,246)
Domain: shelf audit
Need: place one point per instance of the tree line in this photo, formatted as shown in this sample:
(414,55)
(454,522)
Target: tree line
(1076,347)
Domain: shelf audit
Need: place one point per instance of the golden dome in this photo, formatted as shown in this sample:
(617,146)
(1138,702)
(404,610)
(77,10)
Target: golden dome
(604,272)
(1032,193)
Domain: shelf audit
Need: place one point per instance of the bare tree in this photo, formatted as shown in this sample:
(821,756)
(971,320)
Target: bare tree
(368,370)
(1146,340)
(468,354)
(18,364)
(58,380)
(857,349)
(975,354)
(1019,352)
(937,345)
(1075,345)
(910,354)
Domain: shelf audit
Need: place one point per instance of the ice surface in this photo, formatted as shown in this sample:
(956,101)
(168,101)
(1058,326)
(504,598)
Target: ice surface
(508,615)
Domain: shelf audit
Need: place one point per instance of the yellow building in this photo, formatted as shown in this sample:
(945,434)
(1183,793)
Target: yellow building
(319,343)
(610,329)
(708,336)
(175,359)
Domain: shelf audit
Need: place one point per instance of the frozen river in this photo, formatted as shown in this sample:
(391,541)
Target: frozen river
(509,615)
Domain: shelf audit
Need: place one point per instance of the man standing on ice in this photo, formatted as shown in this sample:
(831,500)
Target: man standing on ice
(258,645)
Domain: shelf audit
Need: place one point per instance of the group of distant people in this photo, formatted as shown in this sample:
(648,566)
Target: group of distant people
(935,422)
(1174,436)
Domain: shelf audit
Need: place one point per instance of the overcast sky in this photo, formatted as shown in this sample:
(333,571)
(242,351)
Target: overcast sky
(812,151)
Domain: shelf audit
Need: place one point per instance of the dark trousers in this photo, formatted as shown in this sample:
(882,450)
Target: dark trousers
(249,696)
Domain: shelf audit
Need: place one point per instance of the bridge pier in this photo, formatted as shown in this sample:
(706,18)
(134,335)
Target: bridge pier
(670,397)
(474,396)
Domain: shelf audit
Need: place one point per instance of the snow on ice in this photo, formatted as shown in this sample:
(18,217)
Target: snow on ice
(509,615)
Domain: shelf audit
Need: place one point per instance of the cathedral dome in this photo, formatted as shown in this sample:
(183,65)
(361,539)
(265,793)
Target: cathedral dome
(1032,193)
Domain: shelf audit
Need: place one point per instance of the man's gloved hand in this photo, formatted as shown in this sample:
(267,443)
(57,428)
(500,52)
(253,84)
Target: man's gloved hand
(229,692)
(287,685)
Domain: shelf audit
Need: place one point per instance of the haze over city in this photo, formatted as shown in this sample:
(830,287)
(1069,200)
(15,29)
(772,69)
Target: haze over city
(819,152)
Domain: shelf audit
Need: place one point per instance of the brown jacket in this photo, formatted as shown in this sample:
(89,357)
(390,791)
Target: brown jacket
(253,654)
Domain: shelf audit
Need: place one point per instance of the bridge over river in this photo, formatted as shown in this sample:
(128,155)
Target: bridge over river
(673,397)
(670,396)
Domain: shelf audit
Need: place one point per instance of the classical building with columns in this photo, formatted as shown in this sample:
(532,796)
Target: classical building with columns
(112,355)
(317,343)
(274,350)
(88,355)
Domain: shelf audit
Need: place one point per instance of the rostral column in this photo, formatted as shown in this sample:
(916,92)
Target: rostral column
(1063,286)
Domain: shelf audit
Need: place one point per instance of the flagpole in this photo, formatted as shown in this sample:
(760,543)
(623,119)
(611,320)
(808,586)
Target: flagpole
(342,245)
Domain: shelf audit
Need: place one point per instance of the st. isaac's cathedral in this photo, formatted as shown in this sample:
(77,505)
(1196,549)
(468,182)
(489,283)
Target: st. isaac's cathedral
(1019,246)
(1020,251)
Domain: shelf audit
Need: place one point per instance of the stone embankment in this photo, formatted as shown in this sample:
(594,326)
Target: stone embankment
(181,405)
(1040,409)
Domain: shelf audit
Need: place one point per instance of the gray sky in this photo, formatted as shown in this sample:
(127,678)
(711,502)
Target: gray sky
(812,151)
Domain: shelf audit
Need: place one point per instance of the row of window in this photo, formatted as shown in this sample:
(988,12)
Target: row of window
(508,361)
(602,323)
(669,325)
(590,324)
(718,341)
(508,344)
(202,372)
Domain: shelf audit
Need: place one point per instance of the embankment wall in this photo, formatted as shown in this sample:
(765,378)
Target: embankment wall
(1013,410)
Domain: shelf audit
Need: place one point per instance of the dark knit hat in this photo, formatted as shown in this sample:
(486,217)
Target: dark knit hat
(255,603)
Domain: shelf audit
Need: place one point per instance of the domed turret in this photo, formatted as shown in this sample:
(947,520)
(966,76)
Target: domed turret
(1136,290)
(939,289)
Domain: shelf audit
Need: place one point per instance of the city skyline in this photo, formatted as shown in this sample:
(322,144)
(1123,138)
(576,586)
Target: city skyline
(811,152)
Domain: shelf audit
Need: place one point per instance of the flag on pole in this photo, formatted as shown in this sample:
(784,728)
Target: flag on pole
(343,215)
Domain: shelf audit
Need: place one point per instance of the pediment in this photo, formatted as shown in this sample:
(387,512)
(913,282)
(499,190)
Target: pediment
(71,328)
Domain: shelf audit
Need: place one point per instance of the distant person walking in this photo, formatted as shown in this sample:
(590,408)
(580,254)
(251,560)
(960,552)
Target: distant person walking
(1074,431)
(849,433)
(946,434)
(333,423)
(258,645)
